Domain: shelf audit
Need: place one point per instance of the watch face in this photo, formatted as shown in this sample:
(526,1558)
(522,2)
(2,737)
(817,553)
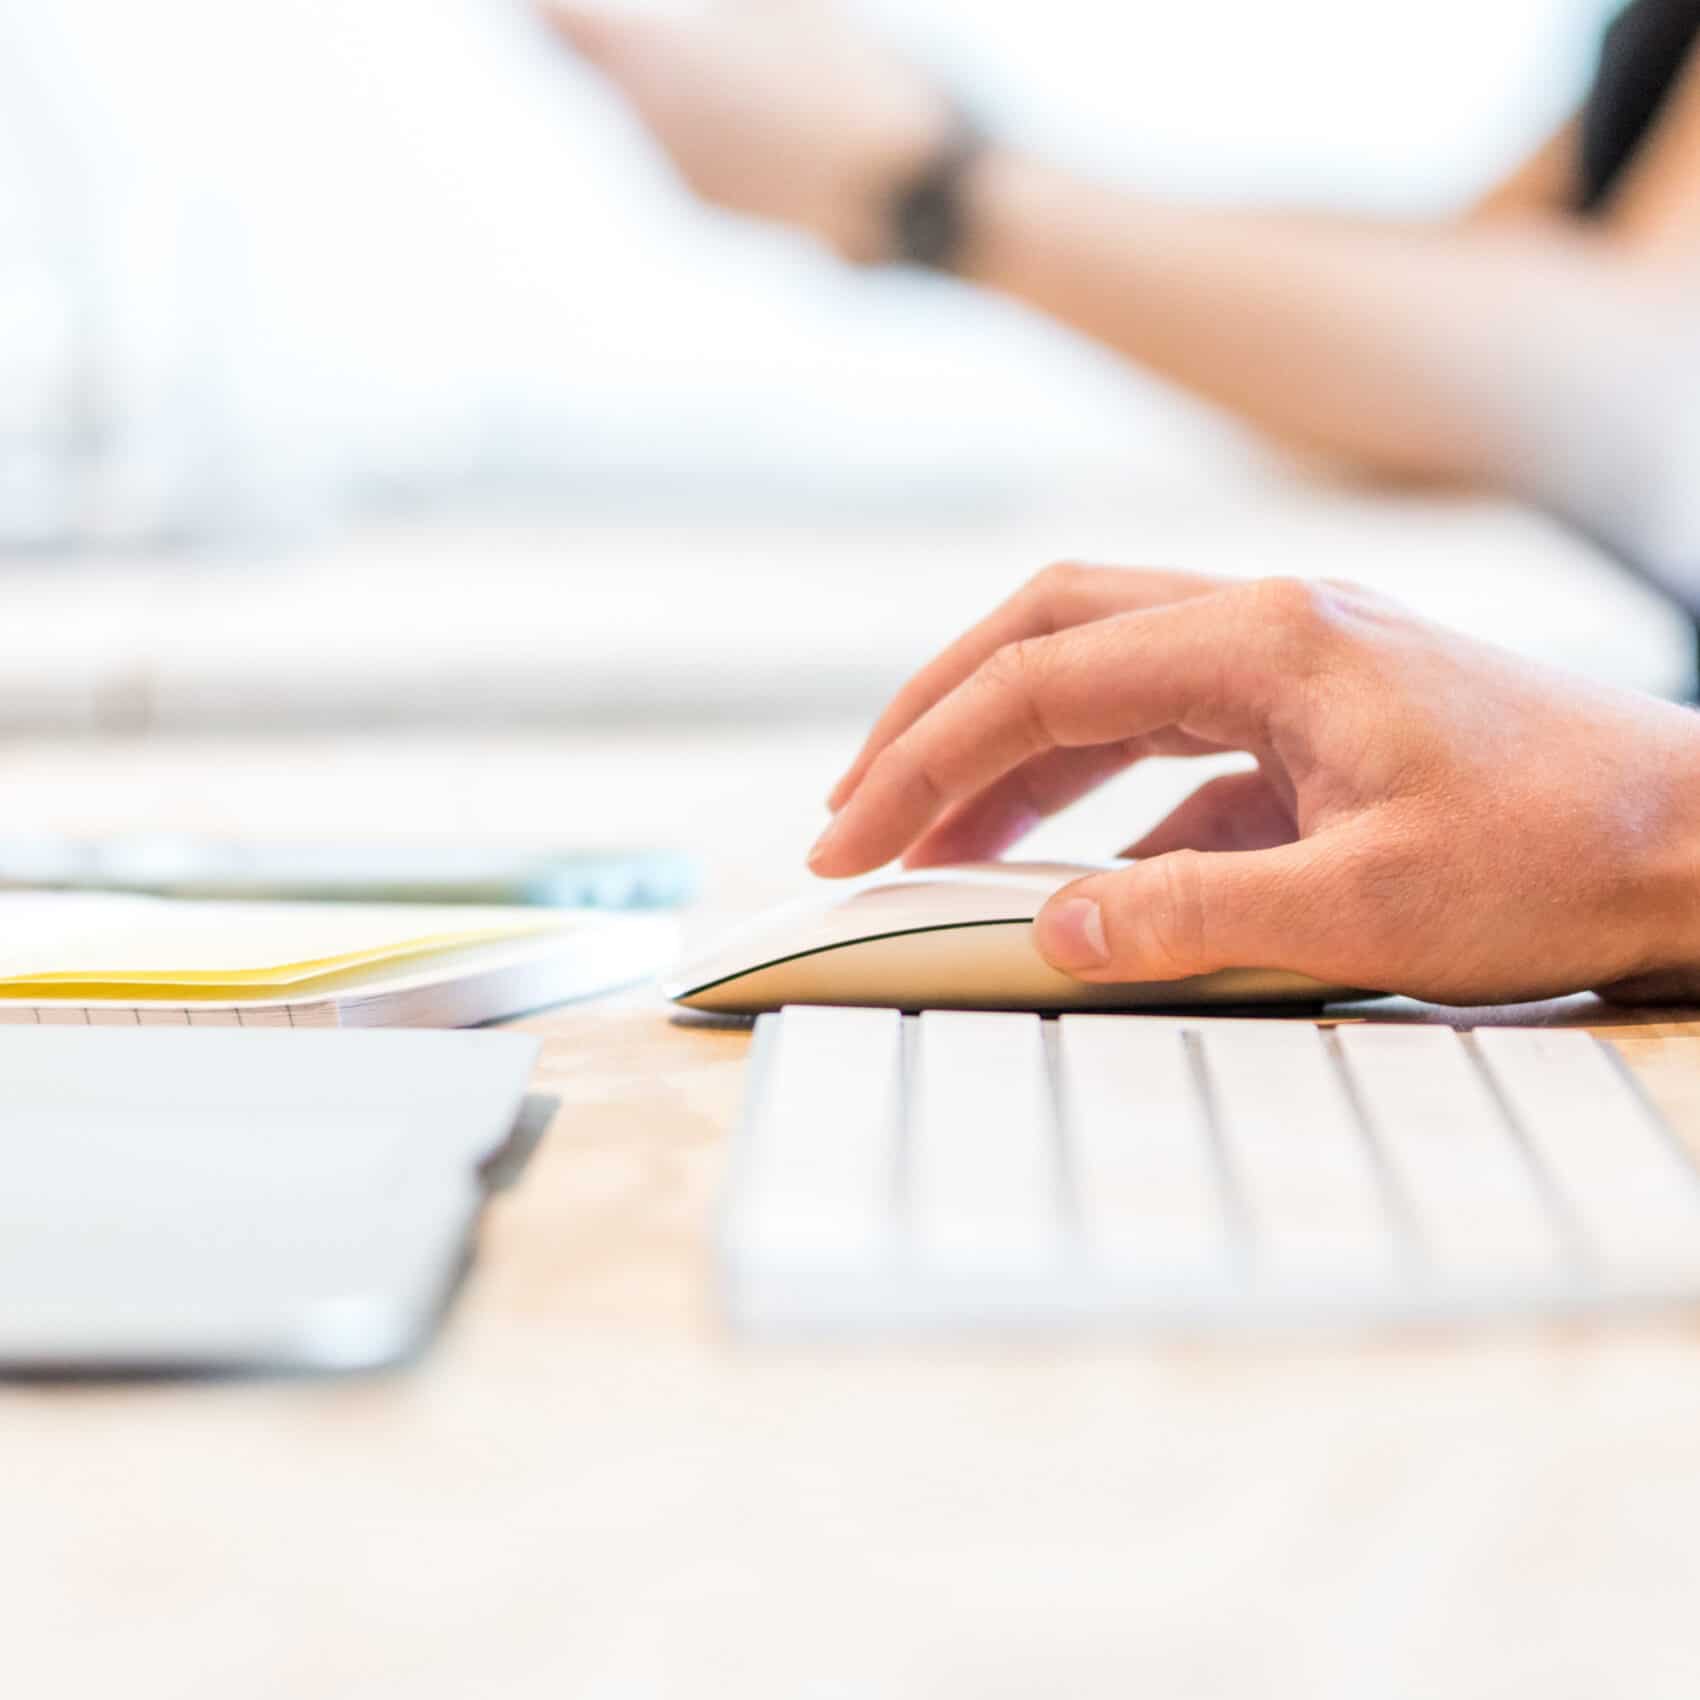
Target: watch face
(929,218)
(928,225)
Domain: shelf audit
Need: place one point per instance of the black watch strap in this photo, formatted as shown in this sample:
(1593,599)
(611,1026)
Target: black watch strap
(929,213)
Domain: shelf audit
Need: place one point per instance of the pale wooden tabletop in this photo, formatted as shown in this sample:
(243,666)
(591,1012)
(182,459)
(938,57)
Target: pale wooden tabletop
(587,1488)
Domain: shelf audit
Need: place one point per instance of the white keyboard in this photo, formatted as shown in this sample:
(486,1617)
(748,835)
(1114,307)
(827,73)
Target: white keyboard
(951,1171)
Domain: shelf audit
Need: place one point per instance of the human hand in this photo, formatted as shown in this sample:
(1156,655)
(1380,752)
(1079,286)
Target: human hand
(1428,815)
(779,110)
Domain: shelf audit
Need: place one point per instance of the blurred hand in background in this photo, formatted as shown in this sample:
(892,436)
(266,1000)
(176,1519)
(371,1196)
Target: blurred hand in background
(1537,343)
(785,112)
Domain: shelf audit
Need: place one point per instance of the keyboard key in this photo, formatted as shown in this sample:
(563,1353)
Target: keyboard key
(819,1161)
(1146,1183)
(1303,1171)
(1458,1166)
(984,1177)
(1631,1192)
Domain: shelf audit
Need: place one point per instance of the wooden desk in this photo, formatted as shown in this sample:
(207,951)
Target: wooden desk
(587,1490)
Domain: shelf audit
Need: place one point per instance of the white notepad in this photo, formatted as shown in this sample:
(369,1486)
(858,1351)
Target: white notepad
(139,961)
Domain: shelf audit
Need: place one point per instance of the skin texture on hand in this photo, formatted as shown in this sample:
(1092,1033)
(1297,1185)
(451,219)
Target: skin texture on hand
(1428,815)
(783,112)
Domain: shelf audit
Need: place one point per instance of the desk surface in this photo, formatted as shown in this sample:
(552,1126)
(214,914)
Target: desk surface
(585,1489)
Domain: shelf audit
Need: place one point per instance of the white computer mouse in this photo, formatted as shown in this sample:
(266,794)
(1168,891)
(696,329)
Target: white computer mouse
(958,937)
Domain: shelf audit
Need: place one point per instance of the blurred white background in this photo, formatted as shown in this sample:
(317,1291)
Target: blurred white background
(268,266)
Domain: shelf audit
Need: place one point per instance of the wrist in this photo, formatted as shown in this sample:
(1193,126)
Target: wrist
(908,201)
(894,149)
(1665,888)
(929,216)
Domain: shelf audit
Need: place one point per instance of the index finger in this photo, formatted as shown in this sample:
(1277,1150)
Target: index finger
(1207,665)
(1067,594)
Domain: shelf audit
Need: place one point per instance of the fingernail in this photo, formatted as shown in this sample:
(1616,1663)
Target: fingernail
(823,843)
(1071,935)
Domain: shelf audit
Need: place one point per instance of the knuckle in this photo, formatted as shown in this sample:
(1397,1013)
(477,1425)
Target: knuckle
(1058,578)
(1018,674)
(902,766)
(1305,618)
(1015,669)
(1054,590)
(1293,604)
(1164,926)
(1011,665)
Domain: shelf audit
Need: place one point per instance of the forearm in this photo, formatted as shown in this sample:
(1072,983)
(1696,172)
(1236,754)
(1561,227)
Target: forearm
(1435,350)
(1512,346)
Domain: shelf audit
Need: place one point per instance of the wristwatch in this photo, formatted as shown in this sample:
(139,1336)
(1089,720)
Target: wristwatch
(928,215)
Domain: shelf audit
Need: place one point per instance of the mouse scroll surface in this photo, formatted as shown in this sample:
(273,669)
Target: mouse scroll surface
(942,938)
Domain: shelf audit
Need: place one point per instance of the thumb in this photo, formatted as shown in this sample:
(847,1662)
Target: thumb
(1191,912)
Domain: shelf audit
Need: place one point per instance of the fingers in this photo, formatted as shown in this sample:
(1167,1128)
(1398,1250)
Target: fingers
(1063,595)
(1008,809)
(986,825)
(1239,811)
(1212,666)
(1192,913)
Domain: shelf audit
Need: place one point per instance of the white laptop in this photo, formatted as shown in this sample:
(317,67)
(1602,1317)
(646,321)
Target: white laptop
(175,1199)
